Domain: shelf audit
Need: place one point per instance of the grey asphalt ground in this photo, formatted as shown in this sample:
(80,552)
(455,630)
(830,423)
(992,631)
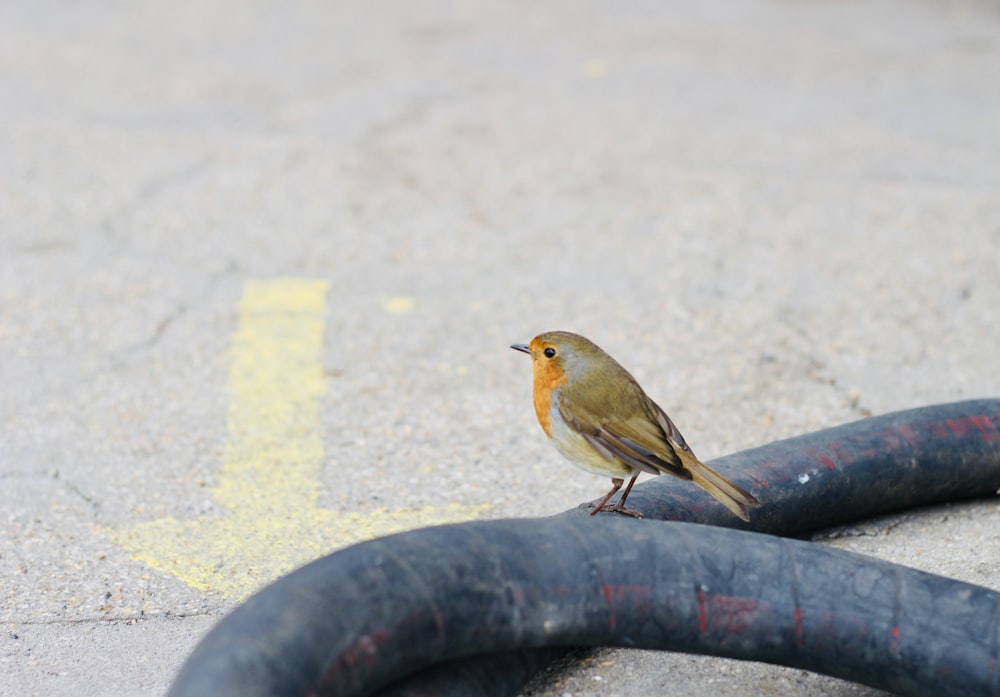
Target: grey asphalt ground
(780,216)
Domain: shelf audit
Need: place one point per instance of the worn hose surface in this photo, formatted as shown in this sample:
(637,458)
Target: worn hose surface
(481,593)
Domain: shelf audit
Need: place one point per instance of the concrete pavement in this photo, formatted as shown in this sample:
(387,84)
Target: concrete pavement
(779,216)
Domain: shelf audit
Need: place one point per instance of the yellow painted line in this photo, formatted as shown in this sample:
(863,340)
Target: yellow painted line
(268,520)
(399,304)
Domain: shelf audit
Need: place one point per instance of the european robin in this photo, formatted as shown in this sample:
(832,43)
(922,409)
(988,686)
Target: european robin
(599,418)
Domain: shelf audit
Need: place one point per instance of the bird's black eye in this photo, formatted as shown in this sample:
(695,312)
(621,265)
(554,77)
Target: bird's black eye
(549,352)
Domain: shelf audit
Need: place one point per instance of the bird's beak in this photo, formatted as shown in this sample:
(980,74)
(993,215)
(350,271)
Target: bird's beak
(523,348)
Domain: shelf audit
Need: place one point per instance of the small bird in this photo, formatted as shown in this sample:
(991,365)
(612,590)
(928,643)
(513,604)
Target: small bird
(599,418)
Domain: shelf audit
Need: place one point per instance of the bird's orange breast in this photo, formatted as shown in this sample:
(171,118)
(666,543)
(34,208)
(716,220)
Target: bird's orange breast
(548,377)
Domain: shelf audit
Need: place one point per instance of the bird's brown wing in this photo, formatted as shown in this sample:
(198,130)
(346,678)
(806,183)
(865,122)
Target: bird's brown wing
(637,442)
(653,444)
(674,437)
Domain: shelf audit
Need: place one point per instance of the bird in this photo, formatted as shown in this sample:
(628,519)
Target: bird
(599,418)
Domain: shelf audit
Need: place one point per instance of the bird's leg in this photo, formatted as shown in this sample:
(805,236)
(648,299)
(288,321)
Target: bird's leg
(616,484)
(621,501)
(620,506)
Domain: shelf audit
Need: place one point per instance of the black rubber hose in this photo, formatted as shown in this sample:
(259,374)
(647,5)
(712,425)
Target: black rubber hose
(916,457)
(892,462)
(356,620)
(380,610)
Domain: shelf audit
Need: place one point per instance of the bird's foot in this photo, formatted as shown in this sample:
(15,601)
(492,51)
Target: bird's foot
(616,508)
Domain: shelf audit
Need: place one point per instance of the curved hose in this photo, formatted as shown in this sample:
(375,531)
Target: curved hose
(851,472)
(496,586)
(351,623)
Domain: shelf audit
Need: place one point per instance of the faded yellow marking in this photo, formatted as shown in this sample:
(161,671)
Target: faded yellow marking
(268,520)
(399,304)
(596,69)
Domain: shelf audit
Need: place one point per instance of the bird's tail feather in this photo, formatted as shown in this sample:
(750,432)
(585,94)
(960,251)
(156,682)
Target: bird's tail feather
(734,498)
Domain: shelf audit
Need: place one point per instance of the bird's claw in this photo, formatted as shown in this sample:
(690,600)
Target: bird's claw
(615,508)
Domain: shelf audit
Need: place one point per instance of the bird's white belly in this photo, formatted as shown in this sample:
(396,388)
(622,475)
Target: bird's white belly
(577,450)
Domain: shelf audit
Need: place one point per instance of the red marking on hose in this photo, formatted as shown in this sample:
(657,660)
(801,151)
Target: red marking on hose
(853,449)
(908,434)
(984,423)
(636,597)
(728,614)
(606,589)
(894,643)
(702,614)
(798,626)
(937,429)
(960,426)
(633,593)
(988,426)
(817,455)
(609,599)
(899,438)
(731,614)
(362,652)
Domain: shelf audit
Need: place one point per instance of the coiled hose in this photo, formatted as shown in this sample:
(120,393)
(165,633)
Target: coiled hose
(475,608)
